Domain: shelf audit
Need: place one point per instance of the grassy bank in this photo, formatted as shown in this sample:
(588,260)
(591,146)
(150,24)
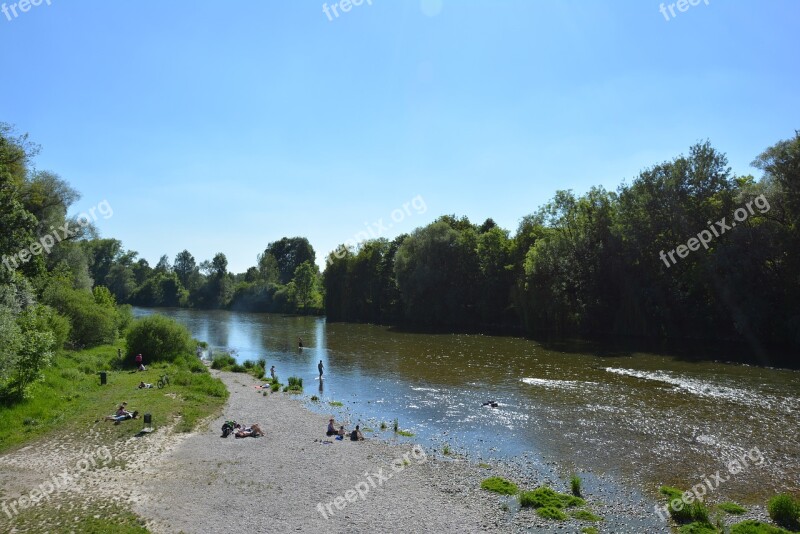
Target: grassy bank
(70,398)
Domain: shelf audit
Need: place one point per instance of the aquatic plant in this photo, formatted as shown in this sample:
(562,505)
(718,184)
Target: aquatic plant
(590,530)
(752,526)
(405,433)
(383,426)
(585,515)
(395,425)
(335,403)
(544,497)
(550,512)
(785,511)
(500,485)
(314,398)
(732,508)
(446,450)
(575,485)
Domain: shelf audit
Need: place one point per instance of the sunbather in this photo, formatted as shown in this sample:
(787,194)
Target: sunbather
(250,431)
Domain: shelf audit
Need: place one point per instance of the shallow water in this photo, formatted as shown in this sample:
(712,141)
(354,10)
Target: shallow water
(644,419)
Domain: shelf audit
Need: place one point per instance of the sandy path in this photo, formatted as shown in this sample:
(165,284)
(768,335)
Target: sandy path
(276,483)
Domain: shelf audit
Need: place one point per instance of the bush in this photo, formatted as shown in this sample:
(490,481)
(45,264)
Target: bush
(545,497)
(698,528)
(756,527)
(295,381)
(732,508)
(550,512)
(586,515)
(248,364)
(500,485)
(92,324)
(158,338)
(223,361)
(784,510)
(575,485)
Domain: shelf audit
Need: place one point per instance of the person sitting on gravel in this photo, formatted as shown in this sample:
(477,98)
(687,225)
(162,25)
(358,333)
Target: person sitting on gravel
(356,435)
(251,431)
(331,429)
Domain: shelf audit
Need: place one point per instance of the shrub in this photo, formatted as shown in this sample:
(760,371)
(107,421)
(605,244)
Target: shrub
(681,514)
(550,512)
(335,403)
(585,515)
(236,368)
(543,497)
(248,364)
(158,338)
(784,510)
(223,361)
(314,398)
(756,527)
(500,485)
(698,528)
(295,381)
(275,387)
(575,485)
(91,323)
(262,363)
(732,508)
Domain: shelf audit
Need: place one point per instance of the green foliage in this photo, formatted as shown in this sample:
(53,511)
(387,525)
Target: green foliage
(785,511)
(275,387)
(681,512)
(550,512)
(223,361)
(92,324)
(585,515)
(314,398)
(546,497)
(295,381)
(756,527)
(405,433)
(500,485)
(732,508)
(698,527)
(590,530)
(446,449)
(70,400)
(335,403)
(575,485)
(35,351)
(158,338)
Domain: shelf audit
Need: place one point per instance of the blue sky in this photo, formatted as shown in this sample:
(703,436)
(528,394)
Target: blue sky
(222,126)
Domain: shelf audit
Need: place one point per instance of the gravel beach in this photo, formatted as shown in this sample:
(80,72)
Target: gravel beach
(295,479)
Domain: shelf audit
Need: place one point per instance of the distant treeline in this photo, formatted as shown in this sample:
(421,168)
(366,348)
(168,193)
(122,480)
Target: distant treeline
(687,252)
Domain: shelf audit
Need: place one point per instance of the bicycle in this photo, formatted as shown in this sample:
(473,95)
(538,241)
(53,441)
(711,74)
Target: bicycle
(163,381)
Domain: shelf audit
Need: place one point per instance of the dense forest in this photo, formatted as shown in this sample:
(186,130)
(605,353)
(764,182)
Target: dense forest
(687,251)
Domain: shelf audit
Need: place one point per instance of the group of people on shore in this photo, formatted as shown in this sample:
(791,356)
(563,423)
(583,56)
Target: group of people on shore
(355,435)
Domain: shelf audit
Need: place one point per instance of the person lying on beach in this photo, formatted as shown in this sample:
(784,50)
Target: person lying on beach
(122,415)
(144,385)
(250,431)
(356,435)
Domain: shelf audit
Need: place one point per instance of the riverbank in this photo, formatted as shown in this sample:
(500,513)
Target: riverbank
(291,479)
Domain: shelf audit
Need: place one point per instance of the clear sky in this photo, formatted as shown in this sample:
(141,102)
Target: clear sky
(222,126)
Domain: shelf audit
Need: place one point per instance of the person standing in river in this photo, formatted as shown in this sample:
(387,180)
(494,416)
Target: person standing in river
(320,369)
(299,343)
(272,372)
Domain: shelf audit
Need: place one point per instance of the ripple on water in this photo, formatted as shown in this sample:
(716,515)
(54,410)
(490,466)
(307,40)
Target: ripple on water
(703,388)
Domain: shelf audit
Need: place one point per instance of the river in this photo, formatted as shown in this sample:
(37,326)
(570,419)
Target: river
(642,419)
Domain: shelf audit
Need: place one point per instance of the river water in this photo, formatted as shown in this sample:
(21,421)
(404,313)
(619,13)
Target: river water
(641,419)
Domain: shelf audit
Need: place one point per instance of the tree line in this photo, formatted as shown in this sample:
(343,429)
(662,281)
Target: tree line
(588,266)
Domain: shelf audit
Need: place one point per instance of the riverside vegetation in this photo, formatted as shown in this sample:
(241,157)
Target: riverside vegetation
(580,266)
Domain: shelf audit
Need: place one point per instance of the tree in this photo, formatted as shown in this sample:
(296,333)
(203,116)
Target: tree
(305,281)
(289,253)
(186,268)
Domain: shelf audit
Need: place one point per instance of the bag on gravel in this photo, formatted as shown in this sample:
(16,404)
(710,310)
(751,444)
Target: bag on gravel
(227,428)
